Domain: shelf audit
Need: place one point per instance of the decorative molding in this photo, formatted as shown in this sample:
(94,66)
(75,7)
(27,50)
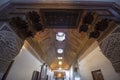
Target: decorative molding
(75,3)
(116,7)
(19,9)
(4,5)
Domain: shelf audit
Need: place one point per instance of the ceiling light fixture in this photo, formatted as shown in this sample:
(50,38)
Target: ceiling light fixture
(60,36)
(60,68)
(60,57)
(60,62)
(60,33)
(60,51)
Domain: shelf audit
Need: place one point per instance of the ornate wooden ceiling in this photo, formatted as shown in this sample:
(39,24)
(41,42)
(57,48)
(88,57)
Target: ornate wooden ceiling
(67,18)
(61,18)
(75,44)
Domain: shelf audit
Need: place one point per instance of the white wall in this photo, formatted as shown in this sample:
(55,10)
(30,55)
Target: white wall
(67,75)
(71,73)
(94,61)
(23,67)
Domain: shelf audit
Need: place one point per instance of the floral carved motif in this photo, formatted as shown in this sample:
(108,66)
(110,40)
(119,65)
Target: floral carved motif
(110,47)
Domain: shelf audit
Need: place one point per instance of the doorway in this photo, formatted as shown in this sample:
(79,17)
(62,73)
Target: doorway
(59,79)
(97,75)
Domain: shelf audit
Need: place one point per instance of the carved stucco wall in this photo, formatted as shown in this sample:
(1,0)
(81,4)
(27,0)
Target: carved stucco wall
(1,74)
(10,45)
(110,47)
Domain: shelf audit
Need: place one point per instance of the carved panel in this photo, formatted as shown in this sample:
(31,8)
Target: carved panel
(10,45)
(111,48)
(4,65)
(117,66)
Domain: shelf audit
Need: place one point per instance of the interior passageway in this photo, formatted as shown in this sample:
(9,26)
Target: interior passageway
(59,40)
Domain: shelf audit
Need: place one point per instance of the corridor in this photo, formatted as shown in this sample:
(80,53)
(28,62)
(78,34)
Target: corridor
(59,40)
